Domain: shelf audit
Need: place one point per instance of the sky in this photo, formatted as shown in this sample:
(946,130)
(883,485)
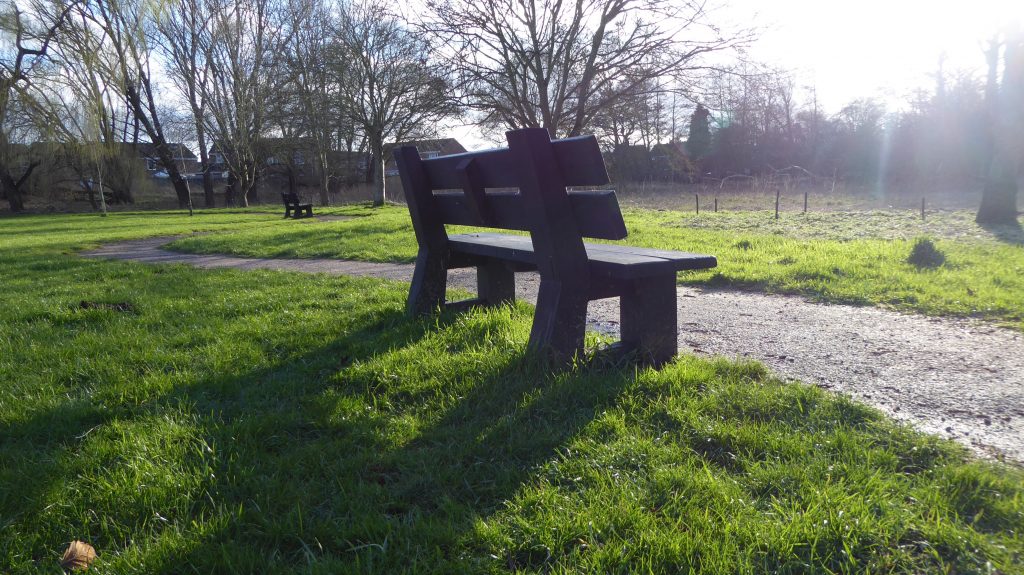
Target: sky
(872,48)
(845,50)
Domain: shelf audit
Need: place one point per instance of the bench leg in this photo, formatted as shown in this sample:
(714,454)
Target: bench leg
(560,321)
(309,211)
(496,283)
(648,318)
(287,210)
(429,283)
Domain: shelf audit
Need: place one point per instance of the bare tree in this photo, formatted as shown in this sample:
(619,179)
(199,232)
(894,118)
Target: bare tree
(248,41)
(184,36)
(557,65)
(314,80)
(392,90)
(1005,101)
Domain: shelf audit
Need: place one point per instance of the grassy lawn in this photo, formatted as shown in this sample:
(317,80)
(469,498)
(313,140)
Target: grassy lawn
(838,257)
(187,420)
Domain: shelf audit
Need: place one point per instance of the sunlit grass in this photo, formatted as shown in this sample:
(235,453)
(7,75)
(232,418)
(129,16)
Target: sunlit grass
(839,257)
(254,421)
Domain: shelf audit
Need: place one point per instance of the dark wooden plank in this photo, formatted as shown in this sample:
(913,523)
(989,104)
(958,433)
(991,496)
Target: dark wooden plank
(647,315)
(473,191)
(559,322)
(613,250)
(597,213)
(509,248)
(628,263)
(579,160)
(429,279)
(496,282)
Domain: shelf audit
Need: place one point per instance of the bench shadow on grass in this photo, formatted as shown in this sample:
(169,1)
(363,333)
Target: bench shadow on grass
(325,483)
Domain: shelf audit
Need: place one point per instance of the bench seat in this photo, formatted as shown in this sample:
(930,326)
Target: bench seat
(605,260)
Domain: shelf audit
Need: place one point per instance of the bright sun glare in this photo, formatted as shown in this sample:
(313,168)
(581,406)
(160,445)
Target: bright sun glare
(881,48)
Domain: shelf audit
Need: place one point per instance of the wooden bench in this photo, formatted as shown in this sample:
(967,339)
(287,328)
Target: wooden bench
(293,206)
(466,189)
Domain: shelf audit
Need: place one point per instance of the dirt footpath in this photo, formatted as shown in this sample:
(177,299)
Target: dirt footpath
(962,379)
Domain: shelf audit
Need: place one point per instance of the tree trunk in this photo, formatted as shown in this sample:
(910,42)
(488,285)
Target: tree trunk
(377,169)
(15,201)
(12,188)
(208,187)
(229,190)
(999,196)
(204,165)
(325,181)
(1006,120)
(252,195)
(163,151)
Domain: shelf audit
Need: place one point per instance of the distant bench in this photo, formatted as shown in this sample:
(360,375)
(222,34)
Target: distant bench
(91,196)
(293,206)
(571,272)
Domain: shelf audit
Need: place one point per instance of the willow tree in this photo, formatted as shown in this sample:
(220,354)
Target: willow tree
(124,30)
(26,36)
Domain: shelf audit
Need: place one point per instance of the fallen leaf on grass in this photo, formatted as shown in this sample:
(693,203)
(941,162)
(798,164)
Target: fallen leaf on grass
(79,555)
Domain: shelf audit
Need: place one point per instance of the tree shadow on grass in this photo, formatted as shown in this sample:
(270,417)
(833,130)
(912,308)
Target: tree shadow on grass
(1008,233)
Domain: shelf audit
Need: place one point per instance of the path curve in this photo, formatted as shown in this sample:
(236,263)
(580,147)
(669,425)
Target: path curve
(960,378)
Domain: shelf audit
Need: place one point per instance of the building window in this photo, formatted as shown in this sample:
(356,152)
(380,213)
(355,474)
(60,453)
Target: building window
(430,154)
(271,161)
(152,164)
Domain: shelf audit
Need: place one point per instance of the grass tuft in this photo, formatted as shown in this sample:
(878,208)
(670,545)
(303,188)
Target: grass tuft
(925,255)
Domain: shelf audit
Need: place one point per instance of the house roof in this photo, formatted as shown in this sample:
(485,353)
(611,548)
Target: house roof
(443,146)
(148,150)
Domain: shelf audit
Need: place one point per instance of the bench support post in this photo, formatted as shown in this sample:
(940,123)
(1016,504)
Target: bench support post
(648,318)
(560,321)
(429,284)
(496,283)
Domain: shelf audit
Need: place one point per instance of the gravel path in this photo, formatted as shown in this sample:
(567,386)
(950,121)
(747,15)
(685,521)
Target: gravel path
(962,379)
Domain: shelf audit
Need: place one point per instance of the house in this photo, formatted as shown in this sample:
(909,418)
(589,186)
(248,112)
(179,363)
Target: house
(125,167)
(291,163)
(146,152)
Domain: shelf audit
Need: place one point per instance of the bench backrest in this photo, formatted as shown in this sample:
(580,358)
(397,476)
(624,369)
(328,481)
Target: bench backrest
(454,190)
(289,198)
(540,168)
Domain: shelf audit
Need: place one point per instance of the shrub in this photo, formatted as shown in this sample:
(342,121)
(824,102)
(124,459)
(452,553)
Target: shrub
(924,254)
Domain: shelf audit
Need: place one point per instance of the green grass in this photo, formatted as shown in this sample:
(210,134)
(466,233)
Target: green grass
(252,421)
(837,257)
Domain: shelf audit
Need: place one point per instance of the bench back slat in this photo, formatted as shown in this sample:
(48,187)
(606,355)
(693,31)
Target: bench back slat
(579,160)
(597,213)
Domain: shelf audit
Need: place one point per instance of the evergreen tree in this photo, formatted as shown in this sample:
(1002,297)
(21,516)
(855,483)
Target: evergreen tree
(698,143)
